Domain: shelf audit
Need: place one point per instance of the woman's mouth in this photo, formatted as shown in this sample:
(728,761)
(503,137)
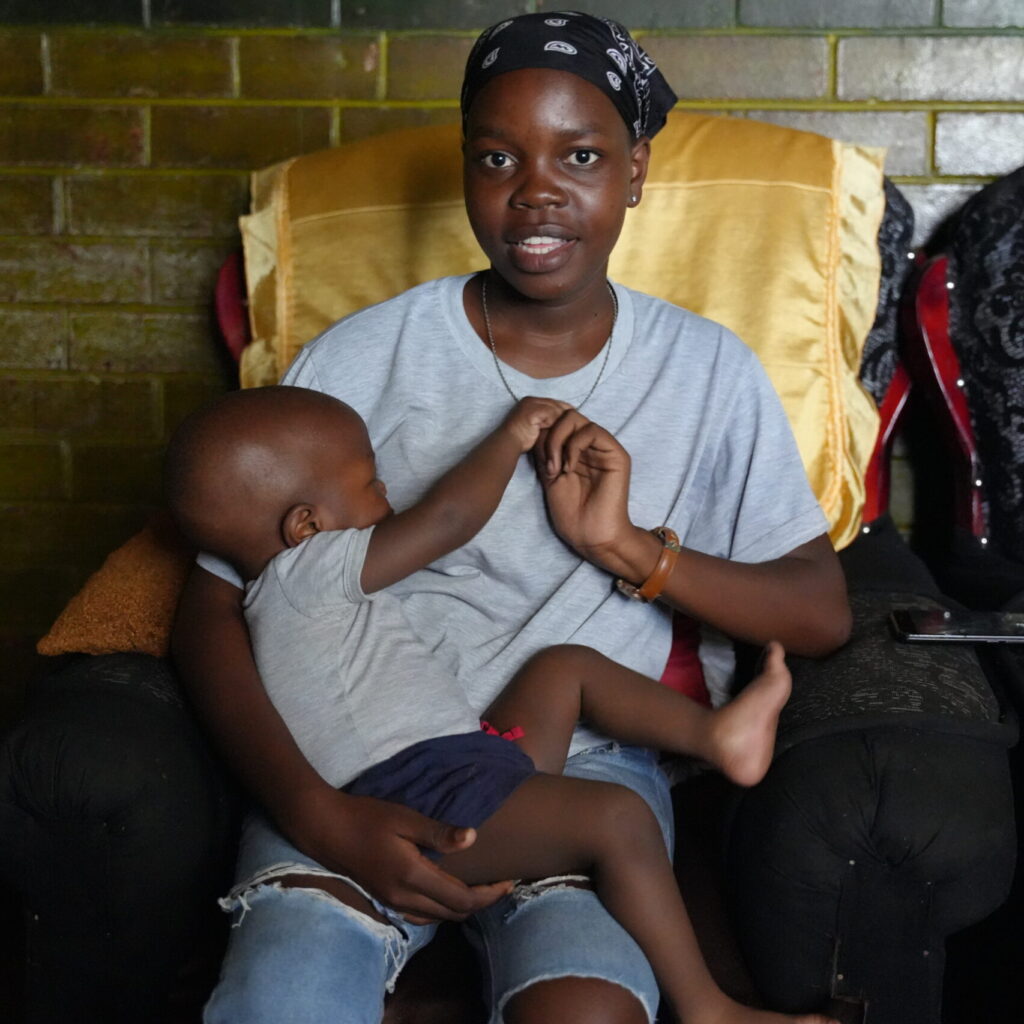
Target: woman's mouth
(540,245)
(540,253)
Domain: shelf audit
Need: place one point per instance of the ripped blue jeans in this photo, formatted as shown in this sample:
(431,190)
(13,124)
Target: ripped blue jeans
(300,955)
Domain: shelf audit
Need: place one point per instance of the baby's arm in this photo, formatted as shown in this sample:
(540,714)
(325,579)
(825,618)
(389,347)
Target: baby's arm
(456,508)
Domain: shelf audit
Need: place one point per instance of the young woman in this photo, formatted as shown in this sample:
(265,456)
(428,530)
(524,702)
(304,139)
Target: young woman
(558,112)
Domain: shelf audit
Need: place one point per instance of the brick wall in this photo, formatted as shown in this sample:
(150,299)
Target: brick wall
(124,148)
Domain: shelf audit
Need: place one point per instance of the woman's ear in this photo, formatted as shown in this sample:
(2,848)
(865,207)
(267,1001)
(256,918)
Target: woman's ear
(299,522)
(640,158)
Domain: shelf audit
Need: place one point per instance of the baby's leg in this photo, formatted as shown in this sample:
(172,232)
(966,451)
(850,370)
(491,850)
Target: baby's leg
(551,825)
(563,685)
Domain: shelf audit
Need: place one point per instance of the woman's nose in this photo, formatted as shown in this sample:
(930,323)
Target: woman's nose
(538,187)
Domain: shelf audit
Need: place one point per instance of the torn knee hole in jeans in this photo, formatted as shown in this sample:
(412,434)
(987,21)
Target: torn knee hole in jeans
(301,880)
(526,891)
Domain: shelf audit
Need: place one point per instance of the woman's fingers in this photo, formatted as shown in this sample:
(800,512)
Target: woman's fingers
(553,443)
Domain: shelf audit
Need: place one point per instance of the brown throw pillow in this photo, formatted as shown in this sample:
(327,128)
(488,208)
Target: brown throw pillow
(128,604)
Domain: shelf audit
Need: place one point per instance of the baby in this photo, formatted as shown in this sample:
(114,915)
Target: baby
(282,483)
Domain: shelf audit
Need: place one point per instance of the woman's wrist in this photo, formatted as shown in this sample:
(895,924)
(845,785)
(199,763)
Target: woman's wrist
(632,557)
(650,589)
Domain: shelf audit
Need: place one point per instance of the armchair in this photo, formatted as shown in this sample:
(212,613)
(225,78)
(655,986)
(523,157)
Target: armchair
(886,822)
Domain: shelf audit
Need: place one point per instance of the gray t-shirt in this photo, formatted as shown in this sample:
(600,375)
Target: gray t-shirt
(713,457)
(344,668)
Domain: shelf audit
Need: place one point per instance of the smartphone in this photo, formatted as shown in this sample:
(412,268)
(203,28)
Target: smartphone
(938,624)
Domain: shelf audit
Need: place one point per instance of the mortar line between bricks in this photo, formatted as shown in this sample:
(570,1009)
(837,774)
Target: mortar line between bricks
(104,238)
(92,308)
(931,128)
(80,171)
(283,31)
(383,65)
(235,63)
(59,198)
(326,103)
(147,136)
(67,472)
(45,64)
(833,66)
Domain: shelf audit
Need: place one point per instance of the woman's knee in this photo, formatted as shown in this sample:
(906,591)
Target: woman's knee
(573,1000)
(299,950)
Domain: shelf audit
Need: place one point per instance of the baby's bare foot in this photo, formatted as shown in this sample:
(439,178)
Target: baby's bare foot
(743,731)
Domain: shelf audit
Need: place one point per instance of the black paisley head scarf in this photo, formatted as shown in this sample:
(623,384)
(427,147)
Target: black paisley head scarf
(598,50)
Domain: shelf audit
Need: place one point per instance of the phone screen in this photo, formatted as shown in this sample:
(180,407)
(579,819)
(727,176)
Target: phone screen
(968,627)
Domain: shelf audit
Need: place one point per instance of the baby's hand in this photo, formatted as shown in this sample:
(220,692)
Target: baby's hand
(532,416)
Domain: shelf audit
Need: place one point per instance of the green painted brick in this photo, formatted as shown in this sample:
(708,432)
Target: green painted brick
(183,395)
(448,14)
(81,407)
(117,473)
(242,137)
(186,272)
(933,205)
(838,13)
(362,122)
(109,342)
(983,13)
(183,206)
(26,205)
(53,270)
(742,67)
(30,599)
(309,67)
(31,470)
(426,67)
(33,340)
(66,135)
(109,64)
(661,13)
(37,533)
(21,65)
(932,68)
(979,143)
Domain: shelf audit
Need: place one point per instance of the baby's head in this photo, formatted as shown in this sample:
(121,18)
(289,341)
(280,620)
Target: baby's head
(260,470)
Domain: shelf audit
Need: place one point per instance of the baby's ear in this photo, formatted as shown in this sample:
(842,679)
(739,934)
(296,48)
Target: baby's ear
(299,522)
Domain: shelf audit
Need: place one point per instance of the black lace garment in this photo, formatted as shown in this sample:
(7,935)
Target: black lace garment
(986,319)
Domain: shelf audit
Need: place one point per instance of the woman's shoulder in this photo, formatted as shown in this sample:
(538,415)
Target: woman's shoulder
(684,335)
(413,301)
(378,327)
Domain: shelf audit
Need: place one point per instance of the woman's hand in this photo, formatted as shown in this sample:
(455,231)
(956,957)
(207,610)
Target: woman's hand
(376,843)
(585,474)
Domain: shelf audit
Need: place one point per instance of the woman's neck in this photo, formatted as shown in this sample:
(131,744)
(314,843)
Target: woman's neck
(540,339)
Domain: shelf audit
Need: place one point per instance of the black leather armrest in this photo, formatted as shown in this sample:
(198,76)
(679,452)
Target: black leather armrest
(118,831)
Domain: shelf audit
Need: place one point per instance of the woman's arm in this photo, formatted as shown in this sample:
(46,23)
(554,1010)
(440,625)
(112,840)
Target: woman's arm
(798,599)
(373,842)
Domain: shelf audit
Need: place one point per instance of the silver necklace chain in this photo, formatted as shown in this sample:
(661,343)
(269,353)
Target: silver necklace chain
(497,361)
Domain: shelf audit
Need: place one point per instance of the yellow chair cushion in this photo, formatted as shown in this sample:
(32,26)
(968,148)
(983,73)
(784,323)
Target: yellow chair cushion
(768,230)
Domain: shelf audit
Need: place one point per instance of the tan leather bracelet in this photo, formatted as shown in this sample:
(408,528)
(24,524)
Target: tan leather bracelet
(655,583)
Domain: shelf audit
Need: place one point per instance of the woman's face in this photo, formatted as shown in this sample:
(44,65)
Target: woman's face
(549,168)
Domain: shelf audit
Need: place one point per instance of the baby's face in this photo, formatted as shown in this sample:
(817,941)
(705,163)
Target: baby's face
(352,496)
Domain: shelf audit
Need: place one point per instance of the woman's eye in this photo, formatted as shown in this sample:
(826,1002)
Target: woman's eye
(496,160)
(584,157)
